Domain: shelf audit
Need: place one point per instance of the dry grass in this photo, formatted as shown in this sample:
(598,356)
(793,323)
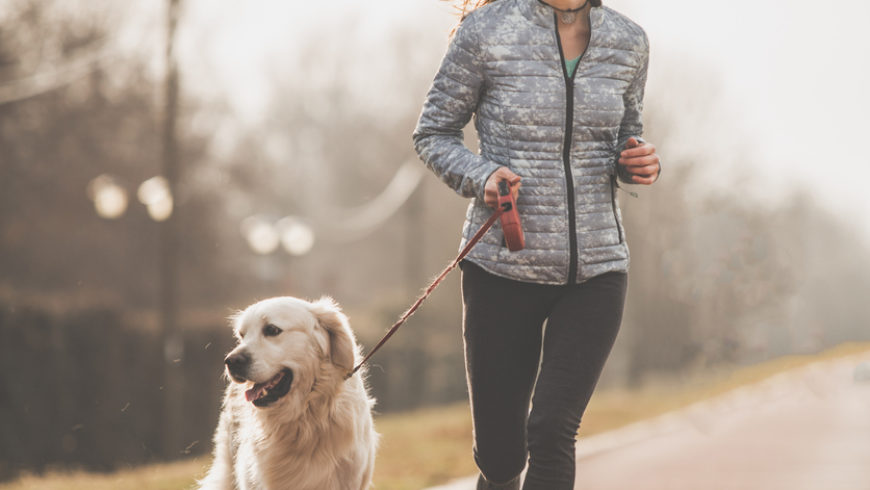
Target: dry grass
(170,476)
(431,446)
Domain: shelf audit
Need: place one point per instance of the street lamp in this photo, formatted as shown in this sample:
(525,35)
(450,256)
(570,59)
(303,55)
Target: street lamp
(261,235)
(297,237)
(265,236)
(110,199)
(154,193)
(291,233)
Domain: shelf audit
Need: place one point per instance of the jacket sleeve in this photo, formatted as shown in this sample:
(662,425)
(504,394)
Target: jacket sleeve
(632,125)
(451,101)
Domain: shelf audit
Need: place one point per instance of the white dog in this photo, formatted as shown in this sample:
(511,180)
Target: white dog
(290,420)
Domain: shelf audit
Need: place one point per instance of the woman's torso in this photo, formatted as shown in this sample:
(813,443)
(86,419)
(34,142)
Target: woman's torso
(559,132)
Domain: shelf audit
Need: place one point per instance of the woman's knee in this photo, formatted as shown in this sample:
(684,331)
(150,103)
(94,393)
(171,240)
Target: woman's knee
(552,430)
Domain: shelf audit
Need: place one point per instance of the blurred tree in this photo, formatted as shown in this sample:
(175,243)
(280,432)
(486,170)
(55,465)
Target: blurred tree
(56,141)
(326,146)
(721,280)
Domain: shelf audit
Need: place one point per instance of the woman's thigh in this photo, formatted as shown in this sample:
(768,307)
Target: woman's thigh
(502,323)
(580,333)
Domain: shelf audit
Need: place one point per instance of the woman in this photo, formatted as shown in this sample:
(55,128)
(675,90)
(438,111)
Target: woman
(556,89)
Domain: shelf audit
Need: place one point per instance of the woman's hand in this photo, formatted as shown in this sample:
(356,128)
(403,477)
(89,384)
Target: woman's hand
(490,190)
(641,161)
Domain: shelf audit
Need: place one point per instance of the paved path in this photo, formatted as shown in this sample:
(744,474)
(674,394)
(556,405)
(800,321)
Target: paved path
(807,429)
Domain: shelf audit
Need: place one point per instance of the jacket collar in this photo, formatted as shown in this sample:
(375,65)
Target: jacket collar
(542,15)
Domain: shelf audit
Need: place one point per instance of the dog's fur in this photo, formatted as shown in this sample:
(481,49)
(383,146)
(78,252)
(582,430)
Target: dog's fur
(320,435)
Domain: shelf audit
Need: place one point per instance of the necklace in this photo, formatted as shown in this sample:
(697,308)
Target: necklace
(567,16)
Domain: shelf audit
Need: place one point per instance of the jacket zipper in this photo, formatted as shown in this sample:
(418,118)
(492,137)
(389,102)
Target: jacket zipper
(566,151)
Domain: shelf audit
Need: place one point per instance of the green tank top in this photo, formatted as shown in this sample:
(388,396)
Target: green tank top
(572,64)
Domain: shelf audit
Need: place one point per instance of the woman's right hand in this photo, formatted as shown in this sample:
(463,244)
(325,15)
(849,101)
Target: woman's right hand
(490,190)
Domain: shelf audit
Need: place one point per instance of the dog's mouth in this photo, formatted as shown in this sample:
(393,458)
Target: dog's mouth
(265,394)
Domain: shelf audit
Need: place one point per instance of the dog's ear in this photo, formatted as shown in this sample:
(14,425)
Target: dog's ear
(341,341)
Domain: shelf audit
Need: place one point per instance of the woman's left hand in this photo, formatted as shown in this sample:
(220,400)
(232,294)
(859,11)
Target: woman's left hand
(641,161)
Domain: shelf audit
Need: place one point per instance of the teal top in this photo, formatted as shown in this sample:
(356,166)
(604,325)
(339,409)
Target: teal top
(572,64)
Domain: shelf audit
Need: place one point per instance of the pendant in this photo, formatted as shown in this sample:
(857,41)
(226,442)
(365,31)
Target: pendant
(567,17)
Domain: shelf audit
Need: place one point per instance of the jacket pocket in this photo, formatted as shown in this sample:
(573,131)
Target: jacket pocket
(616,222)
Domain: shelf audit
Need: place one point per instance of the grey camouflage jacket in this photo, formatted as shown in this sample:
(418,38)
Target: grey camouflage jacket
(560,132)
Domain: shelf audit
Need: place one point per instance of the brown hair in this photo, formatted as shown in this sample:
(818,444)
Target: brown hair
(465,7)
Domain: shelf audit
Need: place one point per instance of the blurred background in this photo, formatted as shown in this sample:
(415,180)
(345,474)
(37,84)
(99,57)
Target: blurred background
(165,163)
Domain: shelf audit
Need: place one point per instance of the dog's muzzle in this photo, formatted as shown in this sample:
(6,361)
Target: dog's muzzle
(261,394)
(237,366)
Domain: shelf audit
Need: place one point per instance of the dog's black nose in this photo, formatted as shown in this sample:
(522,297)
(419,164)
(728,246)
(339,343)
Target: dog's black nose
(237,363)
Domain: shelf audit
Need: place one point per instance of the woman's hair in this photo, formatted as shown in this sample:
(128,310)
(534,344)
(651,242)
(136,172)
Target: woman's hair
(465,7)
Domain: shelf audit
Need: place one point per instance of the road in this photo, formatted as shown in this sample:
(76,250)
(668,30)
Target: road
(807,429)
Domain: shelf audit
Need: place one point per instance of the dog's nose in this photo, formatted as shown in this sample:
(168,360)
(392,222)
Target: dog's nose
(237,362)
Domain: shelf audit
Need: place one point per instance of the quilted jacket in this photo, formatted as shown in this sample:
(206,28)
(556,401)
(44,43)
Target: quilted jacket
(561,132)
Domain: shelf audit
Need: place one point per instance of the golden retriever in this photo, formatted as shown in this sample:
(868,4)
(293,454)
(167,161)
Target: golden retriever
(290,419)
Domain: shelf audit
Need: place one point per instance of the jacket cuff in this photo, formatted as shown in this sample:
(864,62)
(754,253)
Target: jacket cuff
(480,175)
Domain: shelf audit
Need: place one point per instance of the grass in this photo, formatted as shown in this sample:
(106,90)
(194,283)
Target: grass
(431,446)
(169,476)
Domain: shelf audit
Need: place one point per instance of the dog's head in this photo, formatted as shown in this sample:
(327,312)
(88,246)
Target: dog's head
(285,344)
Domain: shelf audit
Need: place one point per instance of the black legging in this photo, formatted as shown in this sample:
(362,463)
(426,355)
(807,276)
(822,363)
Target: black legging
(503,330)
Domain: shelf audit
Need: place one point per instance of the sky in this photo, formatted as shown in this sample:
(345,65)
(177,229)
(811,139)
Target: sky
(761,97)
(790,81)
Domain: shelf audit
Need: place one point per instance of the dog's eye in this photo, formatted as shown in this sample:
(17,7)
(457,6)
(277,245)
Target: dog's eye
(271,330)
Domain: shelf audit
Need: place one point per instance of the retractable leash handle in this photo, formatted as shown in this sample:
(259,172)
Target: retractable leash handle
(513,234)
(510,218)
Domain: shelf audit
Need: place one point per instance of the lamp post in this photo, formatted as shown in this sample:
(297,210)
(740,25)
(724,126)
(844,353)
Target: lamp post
(173,346)
(110,202)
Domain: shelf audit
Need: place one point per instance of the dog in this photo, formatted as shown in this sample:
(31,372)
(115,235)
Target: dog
(290,419)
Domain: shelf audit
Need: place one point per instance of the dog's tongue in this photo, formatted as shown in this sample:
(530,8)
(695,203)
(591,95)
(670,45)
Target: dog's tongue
(256,392)
(259,389)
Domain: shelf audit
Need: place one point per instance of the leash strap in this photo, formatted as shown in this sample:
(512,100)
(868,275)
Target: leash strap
(468,246)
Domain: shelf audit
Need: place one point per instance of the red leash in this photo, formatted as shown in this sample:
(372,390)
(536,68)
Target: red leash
(507,210)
